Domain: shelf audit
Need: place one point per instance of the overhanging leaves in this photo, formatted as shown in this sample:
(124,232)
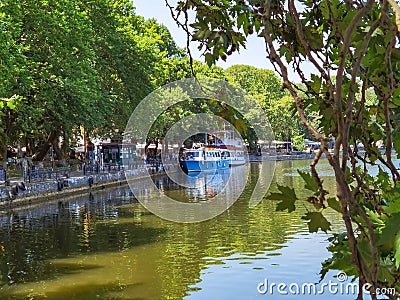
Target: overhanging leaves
(310,183)
(287,196)
(334,204)
(317,221)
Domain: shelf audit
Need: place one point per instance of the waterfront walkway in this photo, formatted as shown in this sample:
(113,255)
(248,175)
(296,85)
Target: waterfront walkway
(49,183)
(58,182)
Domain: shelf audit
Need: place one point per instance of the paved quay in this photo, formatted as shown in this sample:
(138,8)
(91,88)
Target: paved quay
(19,193)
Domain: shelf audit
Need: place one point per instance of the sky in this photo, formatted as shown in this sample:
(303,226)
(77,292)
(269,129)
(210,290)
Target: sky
(254,55)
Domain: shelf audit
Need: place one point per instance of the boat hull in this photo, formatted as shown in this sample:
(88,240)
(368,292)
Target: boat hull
(204,166)
(237,161)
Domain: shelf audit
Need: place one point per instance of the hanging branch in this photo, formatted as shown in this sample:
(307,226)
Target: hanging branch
(396,9)
(322,191)
(185,27)
(306,47)
(392,83)
(342,128)
(343,191)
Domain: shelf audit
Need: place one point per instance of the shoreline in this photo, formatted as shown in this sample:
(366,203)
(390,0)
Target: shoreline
(37,193)
(40,192)
(53,196)
(280,157)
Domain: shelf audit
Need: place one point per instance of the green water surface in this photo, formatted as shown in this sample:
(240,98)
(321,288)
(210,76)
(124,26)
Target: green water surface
(105,245)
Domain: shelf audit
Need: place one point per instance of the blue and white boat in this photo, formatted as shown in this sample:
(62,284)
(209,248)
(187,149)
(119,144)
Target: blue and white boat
(233,147)
(204,159)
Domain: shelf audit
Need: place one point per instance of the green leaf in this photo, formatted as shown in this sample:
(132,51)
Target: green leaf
(383,177)
(392,197)
(397,250)
(287,196)
(391,231)
(241,20)
(334,204)
(385,275)
(309,180)
(324,10)
(241,126)
(396,141)
(317,221)
(364,249)
(209,59)
(10,105)
(314,39)
(374,217)
(315,83)
(199,35)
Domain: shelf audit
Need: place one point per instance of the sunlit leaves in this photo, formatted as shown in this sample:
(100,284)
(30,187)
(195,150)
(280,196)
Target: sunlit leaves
(76,64)
(266,88)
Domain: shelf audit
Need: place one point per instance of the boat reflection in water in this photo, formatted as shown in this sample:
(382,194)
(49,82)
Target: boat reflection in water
(203,186)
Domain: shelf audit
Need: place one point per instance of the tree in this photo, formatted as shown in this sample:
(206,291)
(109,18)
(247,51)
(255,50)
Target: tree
(257,82)
(352,47)
(266,88)
(62,90)
(13,72)
(68,65)
(124,62)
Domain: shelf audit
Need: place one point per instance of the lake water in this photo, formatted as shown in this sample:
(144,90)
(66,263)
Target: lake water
(107,246)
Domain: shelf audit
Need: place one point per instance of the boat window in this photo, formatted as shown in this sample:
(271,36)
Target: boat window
(192,154)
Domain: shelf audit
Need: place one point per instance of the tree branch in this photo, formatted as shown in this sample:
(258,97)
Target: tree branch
(300,35)
(275,59)
(322,191)
(396,9)
(342,130)
(185,27)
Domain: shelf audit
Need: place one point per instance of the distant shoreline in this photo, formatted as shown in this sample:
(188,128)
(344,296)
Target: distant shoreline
(279,157)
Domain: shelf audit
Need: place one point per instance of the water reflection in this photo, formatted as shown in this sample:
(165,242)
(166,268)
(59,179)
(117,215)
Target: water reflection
(107,246)
(199,186)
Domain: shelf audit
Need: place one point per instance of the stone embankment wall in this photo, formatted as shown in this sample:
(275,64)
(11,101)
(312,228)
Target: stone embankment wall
(19,193)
